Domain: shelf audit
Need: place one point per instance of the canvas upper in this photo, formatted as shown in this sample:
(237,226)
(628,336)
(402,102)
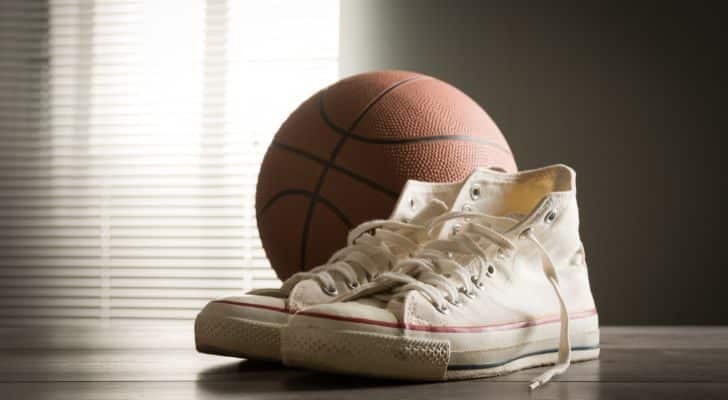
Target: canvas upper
(418,202)
(509,256)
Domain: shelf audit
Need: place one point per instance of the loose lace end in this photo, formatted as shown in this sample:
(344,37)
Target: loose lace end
(541,379)
(545,377)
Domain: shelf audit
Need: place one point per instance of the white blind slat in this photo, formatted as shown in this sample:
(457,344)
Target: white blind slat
(131,133)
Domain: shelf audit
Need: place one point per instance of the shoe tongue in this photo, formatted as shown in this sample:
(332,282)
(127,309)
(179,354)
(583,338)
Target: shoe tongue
(431,210)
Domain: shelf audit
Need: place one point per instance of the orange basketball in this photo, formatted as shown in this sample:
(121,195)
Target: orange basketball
(343,156)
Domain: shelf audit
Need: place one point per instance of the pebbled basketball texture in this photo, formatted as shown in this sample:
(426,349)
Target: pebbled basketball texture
(343,156)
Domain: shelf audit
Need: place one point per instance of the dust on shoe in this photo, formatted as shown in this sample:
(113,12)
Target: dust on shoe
(491,296)
(249,326)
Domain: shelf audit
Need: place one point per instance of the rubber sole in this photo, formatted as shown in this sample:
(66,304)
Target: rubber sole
(524,361)
(415,358)
(238,337)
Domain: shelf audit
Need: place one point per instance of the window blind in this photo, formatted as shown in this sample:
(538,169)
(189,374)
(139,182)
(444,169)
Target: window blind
(131,134)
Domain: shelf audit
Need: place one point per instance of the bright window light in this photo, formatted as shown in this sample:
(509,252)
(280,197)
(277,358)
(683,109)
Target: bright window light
(138,185)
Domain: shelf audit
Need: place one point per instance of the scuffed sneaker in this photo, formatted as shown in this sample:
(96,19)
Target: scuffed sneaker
(490,296)
(249,326)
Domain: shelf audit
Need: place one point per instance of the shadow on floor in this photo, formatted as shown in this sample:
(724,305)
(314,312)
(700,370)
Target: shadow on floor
(262,377)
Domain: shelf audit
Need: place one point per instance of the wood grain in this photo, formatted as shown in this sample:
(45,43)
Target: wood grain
(160,363)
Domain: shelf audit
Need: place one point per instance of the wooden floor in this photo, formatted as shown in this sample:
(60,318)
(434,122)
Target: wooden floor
(160,363)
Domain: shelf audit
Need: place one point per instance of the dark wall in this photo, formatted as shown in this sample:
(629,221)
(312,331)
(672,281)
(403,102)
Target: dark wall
(631,97)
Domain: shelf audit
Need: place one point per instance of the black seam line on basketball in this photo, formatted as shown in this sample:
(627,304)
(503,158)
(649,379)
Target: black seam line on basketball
(395,141)
(374,100)
(306,193)
(464,138)
(349,133)
(343,170)
(332,157)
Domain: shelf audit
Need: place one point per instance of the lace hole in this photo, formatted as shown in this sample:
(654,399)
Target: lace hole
(524,233)
(491,270)
(456,229)
(412,203)
(442,308)
(500,253)
(467,208)
(353,285)
(455,302)
(475,192)
(331,291)
(476,281)
(465,292)
(550,217)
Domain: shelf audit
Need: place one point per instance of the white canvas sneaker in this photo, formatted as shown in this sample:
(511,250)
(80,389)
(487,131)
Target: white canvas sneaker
(249,326)
(488,298)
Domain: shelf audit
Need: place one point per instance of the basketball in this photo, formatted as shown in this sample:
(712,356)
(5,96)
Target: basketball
(343,156)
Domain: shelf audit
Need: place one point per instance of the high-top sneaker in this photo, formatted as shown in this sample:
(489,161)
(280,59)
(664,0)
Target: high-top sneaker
(491,296)
(249,326)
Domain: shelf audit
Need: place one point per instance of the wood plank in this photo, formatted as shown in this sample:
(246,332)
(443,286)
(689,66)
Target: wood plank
(160,362)
(664,337)
(615,365)
(170,335)
(179,335)
(347,389)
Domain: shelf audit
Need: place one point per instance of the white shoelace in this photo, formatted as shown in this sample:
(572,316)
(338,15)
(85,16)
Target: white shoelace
(564,359)
(435,273)
(372,246)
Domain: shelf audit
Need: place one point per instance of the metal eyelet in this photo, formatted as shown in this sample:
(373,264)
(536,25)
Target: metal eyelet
(550,217)
(524,233)
(476,281)
(331,291)
(352,285)
(442,308)
(466,293)
(500,253)
(454,302)
(490,271)
(475,192)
